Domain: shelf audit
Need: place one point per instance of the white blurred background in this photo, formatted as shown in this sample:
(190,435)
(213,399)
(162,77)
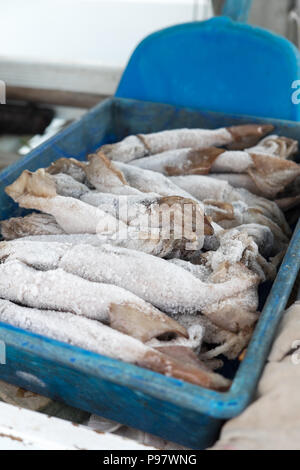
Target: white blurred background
(81,45)
(90,31)
(84,45)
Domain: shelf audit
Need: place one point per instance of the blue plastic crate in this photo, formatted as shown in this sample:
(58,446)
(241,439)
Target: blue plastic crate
(161,405)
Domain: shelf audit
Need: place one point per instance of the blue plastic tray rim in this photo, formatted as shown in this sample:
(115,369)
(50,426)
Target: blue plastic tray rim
(221,405)
(187,395)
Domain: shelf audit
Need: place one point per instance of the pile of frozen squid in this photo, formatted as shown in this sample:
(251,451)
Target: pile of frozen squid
(84,271)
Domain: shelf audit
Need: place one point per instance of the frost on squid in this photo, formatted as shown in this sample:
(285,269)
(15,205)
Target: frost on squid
(152,250)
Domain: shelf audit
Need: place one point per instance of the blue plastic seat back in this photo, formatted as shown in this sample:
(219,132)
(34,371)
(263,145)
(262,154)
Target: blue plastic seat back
(216,65)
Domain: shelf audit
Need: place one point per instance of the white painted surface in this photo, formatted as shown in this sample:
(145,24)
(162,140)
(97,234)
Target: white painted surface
(87,31)
(88,78)
(81,45)
(29,430)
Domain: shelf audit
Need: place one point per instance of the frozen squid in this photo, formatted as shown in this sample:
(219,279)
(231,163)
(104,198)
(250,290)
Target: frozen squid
(203,188)
(240,214)
(196,162)
(155,247)
(166,286)
(32,224)
(104,174)
(159,282)
(228,344)
(162,246)
(106,177)
(261,235)
(234,313)
(241,161)
(263,206)
(67,186)
(122,179)
(267,176)
(272,175)
(38,191)
(69,166)
(55,289)
(262,174)
(215,160)
(133,209)
(237,246)
(207,188)
(141,145)
(239,180)
(69,238)
(157,225)
(277,146)
(101,339)
(229,341)
(181,161)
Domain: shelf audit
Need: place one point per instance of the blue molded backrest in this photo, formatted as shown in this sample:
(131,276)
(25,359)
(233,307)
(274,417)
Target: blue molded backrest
(216,65)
